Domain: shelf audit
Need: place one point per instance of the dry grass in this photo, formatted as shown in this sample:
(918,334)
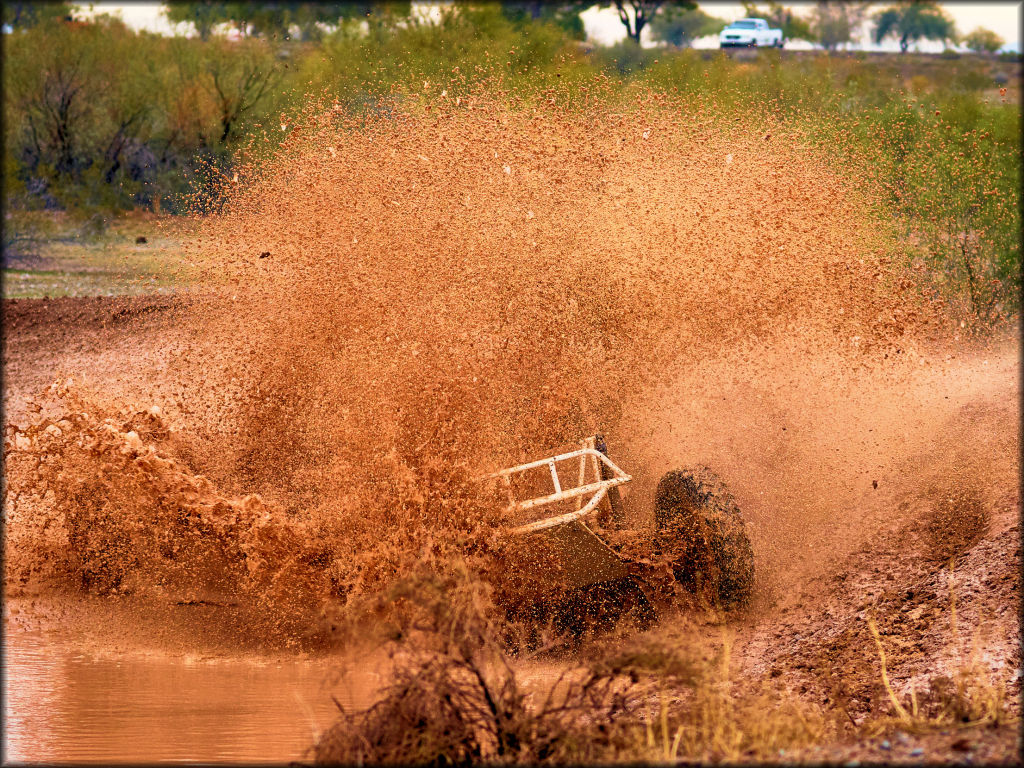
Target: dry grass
(723,724)
(52,254)
(972,697)
(456,698)
(650,697)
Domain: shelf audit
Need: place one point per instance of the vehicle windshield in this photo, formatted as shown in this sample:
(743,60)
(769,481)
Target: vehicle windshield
(743,25)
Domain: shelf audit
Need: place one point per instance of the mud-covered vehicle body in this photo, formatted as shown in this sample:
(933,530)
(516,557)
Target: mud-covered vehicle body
(697,546)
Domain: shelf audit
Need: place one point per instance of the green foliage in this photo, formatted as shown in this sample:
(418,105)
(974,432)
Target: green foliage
(912,21)
(626,57)
(793,27)
(950,172)
(470,42)
(984,40)
(275,20)
(833,23)
(78,111)
(681,26)
(949,167)
(98,117)
(234,78)
(565,15)
(203,15)
(637,14)
(27,15)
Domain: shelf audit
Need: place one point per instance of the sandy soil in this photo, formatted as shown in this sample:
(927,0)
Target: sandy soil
(815,638)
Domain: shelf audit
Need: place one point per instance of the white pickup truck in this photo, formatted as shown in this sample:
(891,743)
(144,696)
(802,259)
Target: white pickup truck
(750,33)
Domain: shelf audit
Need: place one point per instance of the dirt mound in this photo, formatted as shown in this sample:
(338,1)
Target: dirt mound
(943,605)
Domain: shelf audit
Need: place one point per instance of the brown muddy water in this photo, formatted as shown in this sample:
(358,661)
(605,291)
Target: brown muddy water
(121,683)
(72,707)
(68,705)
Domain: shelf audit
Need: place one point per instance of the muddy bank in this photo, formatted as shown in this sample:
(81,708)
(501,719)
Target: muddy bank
(67,318)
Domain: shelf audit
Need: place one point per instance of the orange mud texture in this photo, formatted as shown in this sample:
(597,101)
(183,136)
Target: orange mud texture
(397,303)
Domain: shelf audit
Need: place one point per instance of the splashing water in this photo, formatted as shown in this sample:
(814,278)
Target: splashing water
(396,302)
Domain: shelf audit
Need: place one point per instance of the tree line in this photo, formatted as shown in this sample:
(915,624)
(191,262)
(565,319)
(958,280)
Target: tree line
(98,115)
(829,23)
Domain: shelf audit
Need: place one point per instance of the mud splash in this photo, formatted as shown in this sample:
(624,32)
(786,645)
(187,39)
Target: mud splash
(397,302)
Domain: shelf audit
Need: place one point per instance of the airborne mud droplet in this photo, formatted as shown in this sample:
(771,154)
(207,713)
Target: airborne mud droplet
(452,291)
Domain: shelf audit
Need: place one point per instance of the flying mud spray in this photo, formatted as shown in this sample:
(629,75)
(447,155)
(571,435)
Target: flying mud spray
(399,301)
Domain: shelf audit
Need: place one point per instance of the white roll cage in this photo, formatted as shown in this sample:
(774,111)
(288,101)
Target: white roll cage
(599,487)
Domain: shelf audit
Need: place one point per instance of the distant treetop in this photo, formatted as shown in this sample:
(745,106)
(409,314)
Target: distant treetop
(912,21)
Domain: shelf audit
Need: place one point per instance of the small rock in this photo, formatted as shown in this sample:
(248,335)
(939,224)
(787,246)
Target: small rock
(961,745)
(140,240)
(265,254)
(916,752)
(885,744)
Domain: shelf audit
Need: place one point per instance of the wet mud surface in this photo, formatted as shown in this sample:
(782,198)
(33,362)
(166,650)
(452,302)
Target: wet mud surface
(811,636)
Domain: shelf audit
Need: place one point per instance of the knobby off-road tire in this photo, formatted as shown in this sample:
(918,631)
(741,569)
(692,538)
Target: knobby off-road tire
(701,529)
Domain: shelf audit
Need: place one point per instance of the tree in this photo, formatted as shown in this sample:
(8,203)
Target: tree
(241,16)
(636,14)
(565,15)
(239,79)
(793,27)
(309,16)
(204,15)
(79,102)
(913,21)
(834,23)
(28,15)
(984,40)
(276,19)
(680,27)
